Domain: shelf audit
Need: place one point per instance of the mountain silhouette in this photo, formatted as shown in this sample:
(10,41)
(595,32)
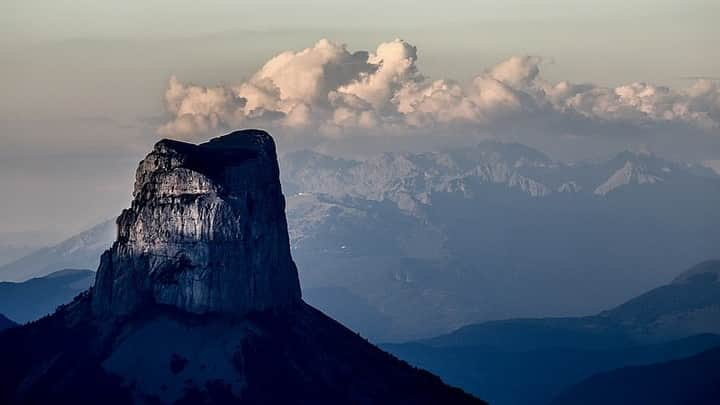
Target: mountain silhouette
(32,299)
(198,301)
(530,361)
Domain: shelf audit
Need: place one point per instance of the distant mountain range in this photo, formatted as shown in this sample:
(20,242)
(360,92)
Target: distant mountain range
(411,180)
(198,301)
(10,253)
(428,242)
(689,305)
(530,361)
(407,245)
(410,245)
(14,245)
(81,251)
(32,299)
(543,356)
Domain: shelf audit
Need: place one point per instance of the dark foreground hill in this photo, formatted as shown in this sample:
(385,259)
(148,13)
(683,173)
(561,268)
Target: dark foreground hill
(198,302)
(5,323)
(694,380)
(505,377)
(294,356)
(529,361)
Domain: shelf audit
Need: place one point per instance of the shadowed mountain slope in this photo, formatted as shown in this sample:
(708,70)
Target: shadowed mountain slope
(5,323)
(198,301)
(529,361)
(694,380)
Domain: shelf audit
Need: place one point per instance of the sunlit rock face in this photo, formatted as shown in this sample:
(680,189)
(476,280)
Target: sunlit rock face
(206,232)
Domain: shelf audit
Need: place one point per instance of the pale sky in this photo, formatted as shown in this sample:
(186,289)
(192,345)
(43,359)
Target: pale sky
(83,80)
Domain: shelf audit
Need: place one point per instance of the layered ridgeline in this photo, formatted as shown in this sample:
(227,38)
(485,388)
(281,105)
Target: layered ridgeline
(404,246)
(493,231)
(693,380)
(198,301)
(32,299)
(531,361)
(81,251)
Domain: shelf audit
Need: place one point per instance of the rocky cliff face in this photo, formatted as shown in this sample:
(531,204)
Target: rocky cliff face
(198,302)
(206,232)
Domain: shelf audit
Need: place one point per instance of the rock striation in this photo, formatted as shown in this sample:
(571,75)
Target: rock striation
(206,232)
(198,302)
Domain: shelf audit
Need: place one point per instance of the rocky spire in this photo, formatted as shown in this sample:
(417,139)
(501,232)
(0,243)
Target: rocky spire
(206,232)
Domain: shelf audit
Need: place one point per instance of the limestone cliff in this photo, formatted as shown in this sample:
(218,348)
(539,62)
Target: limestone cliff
(198,302)
(206,232)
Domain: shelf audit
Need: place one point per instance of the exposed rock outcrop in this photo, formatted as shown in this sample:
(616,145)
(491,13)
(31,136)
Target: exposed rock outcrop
(206,232)
(198,302)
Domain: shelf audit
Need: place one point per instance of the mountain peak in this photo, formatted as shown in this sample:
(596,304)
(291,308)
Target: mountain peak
(206,232)
(198,301)
(630,173)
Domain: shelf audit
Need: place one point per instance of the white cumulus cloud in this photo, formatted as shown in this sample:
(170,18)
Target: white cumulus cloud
(330,90)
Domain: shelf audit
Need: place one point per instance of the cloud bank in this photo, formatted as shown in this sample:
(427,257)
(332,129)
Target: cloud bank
(328,90)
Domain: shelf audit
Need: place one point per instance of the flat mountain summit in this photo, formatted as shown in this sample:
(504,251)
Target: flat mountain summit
(405,246)
(198,301)
(206,232)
